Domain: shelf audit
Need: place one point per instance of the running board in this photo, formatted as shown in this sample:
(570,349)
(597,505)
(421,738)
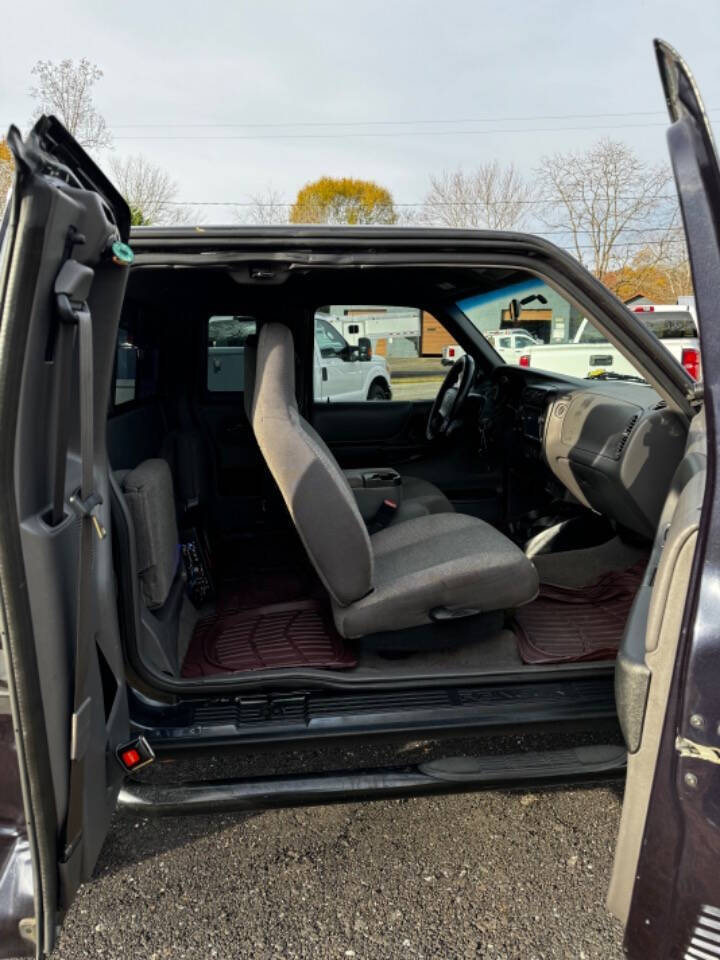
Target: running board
(597,761)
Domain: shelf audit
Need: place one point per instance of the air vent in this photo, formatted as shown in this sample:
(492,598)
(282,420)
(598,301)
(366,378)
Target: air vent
(704,941)
(660,405)
(625,435)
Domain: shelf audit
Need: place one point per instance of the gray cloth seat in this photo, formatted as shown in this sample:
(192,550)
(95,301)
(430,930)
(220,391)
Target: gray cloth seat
(418,497)
(438,563)
(429,567)
(148,492)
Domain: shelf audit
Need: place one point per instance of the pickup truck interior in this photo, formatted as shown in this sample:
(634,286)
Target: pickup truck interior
(498,526)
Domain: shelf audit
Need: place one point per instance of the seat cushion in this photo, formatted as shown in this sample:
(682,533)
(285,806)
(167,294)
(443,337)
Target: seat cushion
(148,490)
(442,560)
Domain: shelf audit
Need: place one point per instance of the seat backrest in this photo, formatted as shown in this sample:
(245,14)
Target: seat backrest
(250,362)
(315,490)
(148,491)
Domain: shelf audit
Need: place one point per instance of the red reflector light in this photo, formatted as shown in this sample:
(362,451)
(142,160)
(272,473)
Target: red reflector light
(130,757)
(451,351)
(690,360)
(524,360)
(644,309)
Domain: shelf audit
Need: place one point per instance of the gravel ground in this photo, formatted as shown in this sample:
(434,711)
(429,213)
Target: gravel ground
(484,875)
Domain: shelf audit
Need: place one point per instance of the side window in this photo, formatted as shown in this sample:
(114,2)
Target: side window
(226,337)
(504,343)
(377,352)
(125,369)
(137,367)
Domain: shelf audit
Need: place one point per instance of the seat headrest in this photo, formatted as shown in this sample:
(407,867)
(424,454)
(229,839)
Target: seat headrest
(275,375)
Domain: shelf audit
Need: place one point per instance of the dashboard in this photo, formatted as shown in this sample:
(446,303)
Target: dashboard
(613,445)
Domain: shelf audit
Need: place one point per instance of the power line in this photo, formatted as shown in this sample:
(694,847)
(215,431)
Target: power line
(406,133)
(394,123)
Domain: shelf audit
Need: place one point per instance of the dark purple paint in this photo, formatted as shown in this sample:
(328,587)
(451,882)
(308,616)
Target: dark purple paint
(679,865)
(16,871)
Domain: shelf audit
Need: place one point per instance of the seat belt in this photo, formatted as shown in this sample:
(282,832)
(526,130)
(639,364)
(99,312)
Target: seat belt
(72,289)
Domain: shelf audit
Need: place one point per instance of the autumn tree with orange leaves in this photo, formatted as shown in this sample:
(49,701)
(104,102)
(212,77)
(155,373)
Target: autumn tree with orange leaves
(661,277)
(343,200)
(6,172)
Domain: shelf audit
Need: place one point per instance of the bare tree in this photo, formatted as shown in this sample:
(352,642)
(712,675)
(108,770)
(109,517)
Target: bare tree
(149,191)
(65,89)
(490,197)
(264,208)
(609,204)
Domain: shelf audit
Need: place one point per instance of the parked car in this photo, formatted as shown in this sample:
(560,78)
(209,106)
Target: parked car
(535,561)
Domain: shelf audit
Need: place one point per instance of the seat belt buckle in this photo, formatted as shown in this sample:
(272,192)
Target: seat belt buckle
(84,508)
(384,516)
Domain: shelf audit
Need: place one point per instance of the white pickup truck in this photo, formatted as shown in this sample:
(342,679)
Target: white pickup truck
(341,371)
(589,354)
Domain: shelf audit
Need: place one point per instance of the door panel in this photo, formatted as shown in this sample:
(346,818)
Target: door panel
(69,721)
(642,706)
(664,882)
(392,434)
(376,433)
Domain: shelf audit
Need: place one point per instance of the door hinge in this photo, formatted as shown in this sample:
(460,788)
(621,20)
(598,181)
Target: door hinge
(697,751)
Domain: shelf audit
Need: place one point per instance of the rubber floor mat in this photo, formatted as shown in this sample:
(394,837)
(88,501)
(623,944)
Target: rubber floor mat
(296,634)
(567,625)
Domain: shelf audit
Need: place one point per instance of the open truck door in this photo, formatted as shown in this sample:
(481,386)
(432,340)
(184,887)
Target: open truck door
(666,877)
(62,278)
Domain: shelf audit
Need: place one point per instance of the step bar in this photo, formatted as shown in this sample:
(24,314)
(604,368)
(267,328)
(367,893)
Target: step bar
(593,762)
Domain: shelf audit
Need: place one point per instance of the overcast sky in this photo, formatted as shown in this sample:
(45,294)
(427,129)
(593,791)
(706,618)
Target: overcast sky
(516,79)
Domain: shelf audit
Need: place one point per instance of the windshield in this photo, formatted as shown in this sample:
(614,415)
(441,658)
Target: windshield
(550,333)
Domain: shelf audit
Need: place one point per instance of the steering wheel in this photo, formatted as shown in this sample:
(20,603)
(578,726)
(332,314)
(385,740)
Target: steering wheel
(451,396)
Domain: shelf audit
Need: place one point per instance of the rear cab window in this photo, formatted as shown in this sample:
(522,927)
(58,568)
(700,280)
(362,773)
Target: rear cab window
(226,339)
(668,324)
(137,369)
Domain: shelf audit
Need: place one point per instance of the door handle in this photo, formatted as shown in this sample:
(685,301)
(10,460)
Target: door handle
(324,374)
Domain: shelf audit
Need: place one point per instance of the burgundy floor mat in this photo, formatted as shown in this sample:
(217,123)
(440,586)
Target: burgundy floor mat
(295,634)
(565,624)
